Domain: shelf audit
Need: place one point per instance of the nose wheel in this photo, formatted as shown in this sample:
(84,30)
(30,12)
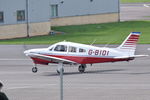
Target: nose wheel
(82,68)
(34,69)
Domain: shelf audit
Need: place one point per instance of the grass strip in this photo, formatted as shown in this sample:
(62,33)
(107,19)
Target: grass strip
(107,33)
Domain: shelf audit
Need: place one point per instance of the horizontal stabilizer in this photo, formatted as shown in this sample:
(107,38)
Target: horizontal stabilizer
(134,56)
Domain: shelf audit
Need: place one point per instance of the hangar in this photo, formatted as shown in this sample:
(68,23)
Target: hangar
(24,18)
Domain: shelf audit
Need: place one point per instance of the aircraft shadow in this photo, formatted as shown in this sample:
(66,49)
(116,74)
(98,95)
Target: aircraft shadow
(139,73)
(87,72)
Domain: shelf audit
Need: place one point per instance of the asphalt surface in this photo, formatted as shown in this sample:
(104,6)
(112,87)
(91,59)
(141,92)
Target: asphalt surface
(107,81)
(139,11)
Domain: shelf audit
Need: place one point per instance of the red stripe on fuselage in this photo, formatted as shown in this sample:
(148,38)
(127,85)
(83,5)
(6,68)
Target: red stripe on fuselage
(40,61)
(79,59)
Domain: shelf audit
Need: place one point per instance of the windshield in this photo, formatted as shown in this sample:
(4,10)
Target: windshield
(61,48)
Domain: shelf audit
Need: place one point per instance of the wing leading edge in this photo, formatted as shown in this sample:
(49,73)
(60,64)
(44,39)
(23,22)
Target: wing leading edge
(50,58)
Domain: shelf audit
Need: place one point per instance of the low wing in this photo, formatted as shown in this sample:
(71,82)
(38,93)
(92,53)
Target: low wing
(50,58)
(134,56)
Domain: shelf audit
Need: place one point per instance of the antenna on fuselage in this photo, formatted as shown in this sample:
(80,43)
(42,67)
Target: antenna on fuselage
(113,41)
(106,45)
(93,41)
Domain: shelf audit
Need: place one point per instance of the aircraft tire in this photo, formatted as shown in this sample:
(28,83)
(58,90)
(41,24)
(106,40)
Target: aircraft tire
(82,68)
(34,69)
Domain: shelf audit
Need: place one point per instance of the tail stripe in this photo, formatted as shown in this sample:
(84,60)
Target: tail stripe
(130,42)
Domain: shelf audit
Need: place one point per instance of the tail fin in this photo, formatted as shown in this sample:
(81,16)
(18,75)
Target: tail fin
(129,44)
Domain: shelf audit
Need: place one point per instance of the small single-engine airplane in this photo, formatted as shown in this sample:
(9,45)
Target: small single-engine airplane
(75,53)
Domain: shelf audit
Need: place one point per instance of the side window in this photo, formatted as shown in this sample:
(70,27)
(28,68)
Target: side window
(72,49)
(54,10)
(61,48)
(82,50)
(20,15)
(1,17)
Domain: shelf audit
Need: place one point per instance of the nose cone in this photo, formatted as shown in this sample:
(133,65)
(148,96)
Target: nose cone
(27,52)
(30,52)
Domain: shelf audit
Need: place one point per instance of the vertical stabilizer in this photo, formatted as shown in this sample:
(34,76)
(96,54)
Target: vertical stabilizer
(129,44)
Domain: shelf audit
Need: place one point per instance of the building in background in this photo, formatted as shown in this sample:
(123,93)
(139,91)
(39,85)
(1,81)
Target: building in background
(75,12)
(22,18)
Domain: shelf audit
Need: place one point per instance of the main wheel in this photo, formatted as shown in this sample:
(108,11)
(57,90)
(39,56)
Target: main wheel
(34,69)
(82,68)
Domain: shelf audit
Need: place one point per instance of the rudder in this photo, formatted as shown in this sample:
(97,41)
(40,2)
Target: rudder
(129,44)
(131,41)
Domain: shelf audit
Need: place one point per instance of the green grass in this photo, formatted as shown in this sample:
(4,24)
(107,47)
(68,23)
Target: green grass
(134,1)
(108,33)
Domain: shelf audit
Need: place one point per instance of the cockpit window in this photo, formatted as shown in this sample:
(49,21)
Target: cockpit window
(61,48)
(72,49)
(82,50)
